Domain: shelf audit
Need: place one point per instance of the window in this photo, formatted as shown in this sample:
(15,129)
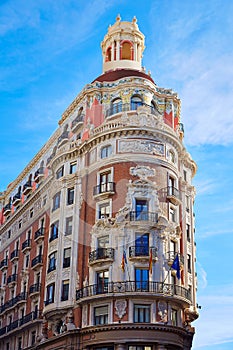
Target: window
(141,209)
(56,201)
(174,317)
(102,281)
(187,203)
(60,172)
(172,214)
(188,234)
(9,234)
(69,221)
(142,279)
(105,182)
(19,343)
(54,231)
(171,186)
(185,175)
(116,106)
(136,101)
(189,263)
(70,196)
(33,337)
(50,293)
(65,290)
(106,151)
(126,50)
(44,201)
(66,257)
(141,244)
(141,313)
(104,210)
(31,212)
(73,167)
(27,261)
(101,315)
(52,262)
(20,223)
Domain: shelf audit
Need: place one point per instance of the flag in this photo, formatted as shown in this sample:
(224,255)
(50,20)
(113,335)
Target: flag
(176,266)
(123,261)
(150,261)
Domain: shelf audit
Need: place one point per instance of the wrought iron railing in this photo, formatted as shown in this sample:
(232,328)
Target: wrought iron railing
(15,254)
(12,278)
(143,216)
(10,303)
(126,107)
(173,192)
(37,260)
(4,263)
(142,250)
(104,188)
(26,244)
(34,288)
(101,253)
(77,120)
(39,233)
(154,288)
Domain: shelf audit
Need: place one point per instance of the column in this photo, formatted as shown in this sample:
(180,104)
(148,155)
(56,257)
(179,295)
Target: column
(118,50)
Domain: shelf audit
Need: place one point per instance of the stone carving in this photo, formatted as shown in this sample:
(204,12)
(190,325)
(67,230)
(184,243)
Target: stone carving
(143,172)
(120,306)
(139,146)
(162,307)
(84,320)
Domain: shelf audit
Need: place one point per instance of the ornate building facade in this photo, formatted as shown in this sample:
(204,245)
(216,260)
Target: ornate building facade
(97,232)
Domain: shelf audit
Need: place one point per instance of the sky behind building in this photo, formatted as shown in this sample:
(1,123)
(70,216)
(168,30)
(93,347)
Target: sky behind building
(51,49)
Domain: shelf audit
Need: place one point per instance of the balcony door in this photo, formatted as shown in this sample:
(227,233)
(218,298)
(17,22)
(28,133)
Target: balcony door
(102,281)
(141,244)
(142,279)
(141,209)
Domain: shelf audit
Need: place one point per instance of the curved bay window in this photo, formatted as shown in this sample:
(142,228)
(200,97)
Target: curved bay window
(135,102)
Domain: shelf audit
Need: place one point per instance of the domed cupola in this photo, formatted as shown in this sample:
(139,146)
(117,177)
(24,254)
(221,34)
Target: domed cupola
(123,46)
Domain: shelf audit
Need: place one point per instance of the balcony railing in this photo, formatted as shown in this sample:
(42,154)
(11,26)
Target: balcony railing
(153,288)
(108,187)
(12,278)
(53,236)
(39,174)
(39,233)
(16,199)
(26,244)
(77,122)
(101,253)
(34,288)
(37,260)
(12,326)
(126,107)
(27,187)
(143,216)
(51,268)
(7,209)
(10,303)
(15,254)
(173,194)
(4,264)
(20,322)
(142,251)
(171,257)
(63,138)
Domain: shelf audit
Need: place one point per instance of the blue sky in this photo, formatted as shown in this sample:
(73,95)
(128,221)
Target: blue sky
(50,49)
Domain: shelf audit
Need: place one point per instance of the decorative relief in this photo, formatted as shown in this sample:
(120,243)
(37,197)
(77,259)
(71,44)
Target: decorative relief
(162,307)
(84,320)
(120,306)
(140,146)
(143,172)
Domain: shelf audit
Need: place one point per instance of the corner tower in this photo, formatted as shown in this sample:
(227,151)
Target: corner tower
(123,46)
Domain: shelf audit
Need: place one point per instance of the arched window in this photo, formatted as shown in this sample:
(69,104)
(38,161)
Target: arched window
(126,53)
(106,151)
(108,55)
(116,106)
(136,101)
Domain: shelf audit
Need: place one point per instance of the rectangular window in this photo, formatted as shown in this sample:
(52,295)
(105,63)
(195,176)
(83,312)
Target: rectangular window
(174,317)
(106,151)
(69,222)
(70,196)
(142,279)
(141,209)
(31,212)
(104,211)
(187,203)
(60,172)
(54,231)
(50,293)
(52,262)
(141,313)
(73,167)
(189,263)
(27,261)
(66,257)
(103,242)
(102,281)
(56,201)
(65,290)
(105,182)
(33,337)
(141,244)
(185,175)
(188,235)
(101,315)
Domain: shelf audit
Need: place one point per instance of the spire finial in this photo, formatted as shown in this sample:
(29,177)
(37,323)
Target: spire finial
(118,18)
(134,21)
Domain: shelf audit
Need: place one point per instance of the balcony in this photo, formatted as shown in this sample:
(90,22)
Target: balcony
(104,189)
(128,287)
(97,256)
(26,245)
(14,255)
(63,138)
(12,279)
(126,107)
(2,331)
(173,195)
(140,252)
(12,326)
(4,264)
(20,322)
(143,216)
(77,122)
(39,234)
(20,298)
(171,257)
(34,289)
(16,199)
(27,187)
(7,209)
(53,236)
(39,174)
(37,262)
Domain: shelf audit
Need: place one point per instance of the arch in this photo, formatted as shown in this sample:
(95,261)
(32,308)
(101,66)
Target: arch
(108,56)
(136,101)
(116,105)
(126,50)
